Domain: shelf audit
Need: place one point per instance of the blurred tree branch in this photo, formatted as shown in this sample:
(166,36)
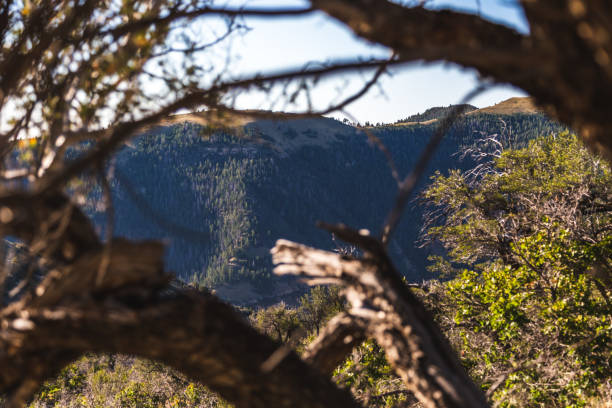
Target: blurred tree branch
(75,71)
(564,62)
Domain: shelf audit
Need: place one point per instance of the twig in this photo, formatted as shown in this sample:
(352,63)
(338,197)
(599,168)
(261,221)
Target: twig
(110,224)
(408,184)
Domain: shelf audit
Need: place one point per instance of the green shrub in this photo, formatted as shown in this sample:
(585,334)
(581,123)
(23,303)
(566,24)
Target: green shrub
(532,244)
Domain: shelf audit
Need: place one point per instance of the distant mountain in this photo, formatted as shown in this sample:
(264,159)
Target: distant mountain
(220,201)
(510,106)
(435,113)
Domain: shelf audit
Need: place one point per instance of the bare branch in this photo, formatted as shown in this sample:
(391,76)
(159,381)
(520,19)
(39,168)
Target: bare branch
(430,35)
(394,317)
(114,137)
(576,34)
(407,186)
(341,334)
(205,11)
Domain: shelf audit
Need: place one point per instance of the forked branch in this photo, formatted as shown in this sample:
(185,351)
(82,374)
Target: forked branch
(390,313)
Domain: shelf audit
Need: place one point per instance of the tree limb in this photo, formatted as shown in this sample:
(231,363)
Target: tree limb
(133,312)
(417,33)
(565,62)
(394,317)
(336,340)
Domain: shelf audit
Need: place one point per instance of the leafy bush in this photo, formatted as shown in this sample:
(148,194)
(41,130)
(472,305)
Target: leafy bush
(533,244)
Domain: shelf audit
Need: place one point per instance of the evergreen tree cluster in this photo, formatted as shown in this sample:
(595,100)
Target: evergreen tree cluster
(221,199)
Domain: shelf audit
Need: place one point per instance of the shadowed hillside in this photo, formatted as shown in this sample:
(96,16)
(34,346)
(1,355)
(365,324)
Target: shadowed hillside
(221,200)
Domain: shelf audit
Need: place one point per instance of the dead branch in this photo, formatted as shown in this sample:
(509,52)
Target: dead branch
(341,334)
(393,316)
(133,310)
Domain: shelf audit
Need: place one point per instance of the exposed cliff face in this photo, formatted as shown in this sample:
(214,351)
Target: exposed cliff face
(220,201)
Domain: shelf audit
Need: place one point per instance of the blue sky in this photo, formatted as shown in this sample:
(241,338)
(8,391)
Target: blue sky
(272,45)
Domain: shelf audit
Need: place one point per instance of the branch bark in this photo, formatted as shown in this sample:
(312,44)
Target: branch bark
(419,33)
(337,339)
(393,316)
(133,311)
(565,62)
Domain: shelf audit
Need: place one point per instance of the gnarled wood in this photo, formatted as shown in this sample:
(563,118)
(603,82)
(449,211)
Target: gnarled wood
(337,339)
(118,299)
(392,315)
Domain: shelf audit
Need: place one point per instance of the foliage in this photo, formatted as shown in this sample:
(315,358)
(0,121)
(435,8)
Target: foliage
(318,306)
(555,179)
(365,372)
(370,377)
(531,311)
(315,308)
(277,321)
(121,381)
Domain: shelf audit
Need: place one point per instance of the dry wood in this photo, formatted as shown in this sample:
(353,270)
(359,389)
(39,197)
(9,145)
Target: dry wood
(391,315)
(337,339)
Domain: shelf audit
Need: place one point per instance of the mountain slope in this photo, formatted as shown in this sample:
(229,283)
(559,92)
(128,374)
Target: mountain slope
(220,201)
(434,113)
(509,107)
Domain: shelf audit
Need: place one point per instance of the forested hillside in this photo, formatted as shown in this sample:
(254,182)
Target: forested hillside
(523,299)
(222,199)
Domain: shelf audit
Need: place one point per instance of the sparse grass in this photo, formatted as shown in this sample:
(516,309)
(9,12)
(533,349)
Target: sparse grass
(509,107)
